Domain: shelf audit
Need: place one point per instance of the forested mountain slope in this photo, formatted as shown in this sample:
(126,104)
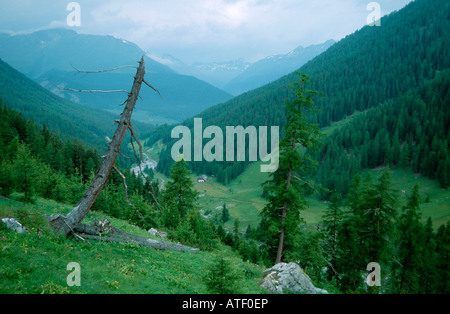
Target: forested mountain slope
(50,56)
(67,119)
(360,72)
(410,131)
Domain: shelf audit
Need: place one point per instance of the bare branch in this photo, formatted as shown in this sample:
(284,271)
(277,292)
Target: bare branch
(93,90)
(102,71)
(154,197)
(133,135)
(152,87)
(125,186)
(88,91)
(307,183)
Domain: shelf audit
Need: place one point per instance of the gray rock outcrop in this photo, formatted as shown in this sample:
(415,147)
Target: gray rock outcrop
(14,225)
(288,277)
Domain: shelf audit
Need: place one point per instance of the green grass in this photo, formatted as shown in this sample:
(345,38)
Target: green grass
(36,262)
(435,200)
(244,194)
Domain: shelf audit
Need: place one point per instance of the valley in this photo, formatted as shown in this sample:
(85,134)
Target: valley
(359,129)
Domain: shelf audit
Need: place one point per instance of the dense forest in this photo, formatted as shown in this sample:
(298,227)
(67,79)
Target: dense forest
(410,131)
(61,116)
(36,163)
(362,71)
(371,224)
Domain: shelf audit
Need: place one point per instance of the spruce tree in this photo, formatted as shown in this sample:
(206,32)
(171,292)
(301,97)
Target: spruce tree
(332,220)
(428,271)
(221,277)
(179,197)
(411,242)
(285,185)
(25,173)
(442,280)
(225,214)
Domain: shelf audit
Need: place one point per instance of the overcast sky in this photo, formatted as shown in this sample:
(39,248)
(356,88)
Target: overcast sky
(202,30)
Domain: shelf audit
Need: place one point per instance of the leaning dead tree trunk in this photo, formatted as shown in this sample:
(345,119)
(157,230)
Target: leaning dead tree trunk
(65,224)
(72,222)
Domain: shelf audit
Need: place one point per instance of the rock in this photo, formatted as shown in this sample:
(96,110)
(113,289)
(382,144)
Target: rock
(14,225)
(157,233)
(288,277)
(321,291)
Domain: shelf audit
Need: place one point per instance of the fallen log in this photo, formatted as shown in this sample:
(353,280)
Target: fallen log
(160,245)
(103,230)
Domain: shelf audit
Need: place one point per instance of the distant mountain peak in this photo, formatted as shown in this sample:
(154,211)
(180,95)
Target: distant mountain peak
(273,67)
(50,55)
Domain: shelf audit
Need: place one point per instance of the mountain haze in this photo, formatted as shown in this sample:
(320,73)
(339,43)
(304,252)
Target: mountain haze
(272,68)
(49,57)
(238,76)
(359,72)
(65,118)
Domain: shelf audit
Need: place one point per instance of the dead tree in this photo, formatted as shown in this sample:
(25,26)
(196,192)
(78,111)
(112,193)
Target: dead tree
(71,224)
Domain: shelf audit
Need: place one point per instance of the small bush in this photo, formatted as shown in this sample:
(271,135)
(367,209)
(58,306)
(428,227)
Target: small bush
(221,277)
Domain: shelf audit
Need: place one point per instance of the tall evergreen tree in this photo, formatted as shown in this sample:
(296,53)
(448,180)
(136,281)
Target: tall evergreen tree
(378,215)
(225,214)
(411,241)
(332,220)
(25,173)
(179,196)
(442,280)
(284,186)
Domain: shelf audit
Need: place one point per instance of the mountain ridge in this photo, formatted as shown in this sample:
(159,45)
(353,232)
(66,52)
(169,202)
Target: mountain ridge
(52,55)
(359,72)
(274,67)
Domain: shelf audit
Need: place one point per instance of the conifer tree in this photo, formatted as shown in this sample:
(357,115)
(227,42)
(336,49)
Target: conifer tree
(24,173)
(284,186)
(376,223)
(332,220)
(428,273)
(179,196)
(225,214)
(221,277)
(442,280)
(411,241)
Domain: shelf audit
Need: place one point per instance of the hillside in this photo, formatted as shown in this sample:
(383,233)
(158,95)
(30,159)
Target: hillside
(361,71)
(410,131)
(41,259)
(67,119)
(359,203)
(49,58)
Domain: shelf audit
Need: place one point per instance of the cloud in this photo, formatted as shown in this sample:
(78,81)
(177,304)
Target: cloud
(203,30)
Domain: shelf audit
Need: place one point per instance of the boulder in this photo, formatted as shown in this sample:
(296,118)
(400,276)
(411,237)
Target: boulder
(288,277)
(321,291)
(14,225)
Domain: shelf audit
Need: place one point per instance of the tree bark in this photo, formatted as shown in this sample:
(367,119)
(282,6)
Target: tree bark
(102,230)
(65,225)
(285,209)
